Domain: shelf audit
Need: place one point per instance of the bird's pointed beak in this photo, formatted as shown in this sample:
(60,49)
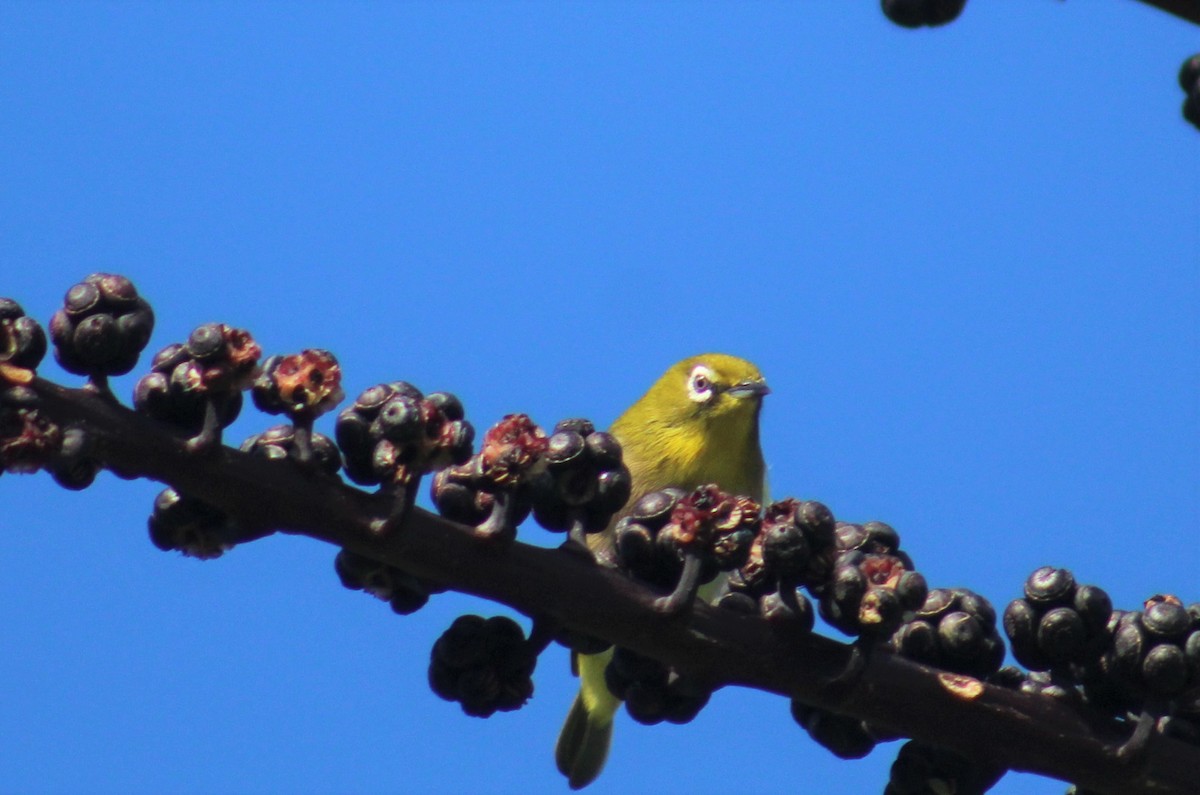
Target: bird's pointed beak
(745,389)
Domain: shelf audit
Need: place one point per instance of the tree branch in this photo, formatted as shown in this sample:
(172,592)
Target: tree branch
(1039,734)
(1184,9)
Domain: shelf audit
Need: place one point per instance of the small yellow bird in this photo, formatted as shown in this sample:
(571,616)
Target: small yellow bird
(697,424)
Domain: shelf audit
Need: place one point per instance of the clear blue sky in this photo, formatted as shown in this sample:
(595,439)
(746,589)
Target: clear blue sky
(968,261)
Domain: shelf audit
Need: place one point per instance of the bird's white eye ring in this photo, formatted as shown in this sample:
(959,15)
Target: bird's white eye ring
(700,387)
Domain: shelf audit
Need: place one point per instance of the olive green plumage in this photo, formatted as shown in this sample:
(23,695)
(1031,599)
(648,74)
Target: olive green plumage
(697,424)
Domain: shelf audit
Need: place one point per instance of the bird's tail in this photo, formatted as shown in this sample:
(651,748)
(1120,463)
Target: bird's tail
(585,737)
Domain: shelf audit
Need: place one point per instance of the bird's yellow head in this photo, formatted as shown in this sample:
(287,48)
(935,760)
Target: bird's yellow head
(697,424)
(711,388)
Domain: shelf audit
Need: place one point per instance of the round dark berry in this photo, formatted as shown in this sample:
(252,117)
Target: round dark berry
(646,703)
(565,448)
(655,508)
(1165,669)
(398,420)
(849,585)
(844,736)
(22,340)
(881,537)
(1128,646)
(1021,626)
(604,450)
(785,549)
(206,342)
(1166,620)
(1049,586)
(1094,607)
(918,640)
(74,468)
(960,635)
(1061,634)
(180,522)
(96,339)
(912,591)
(449,405)
(613,488)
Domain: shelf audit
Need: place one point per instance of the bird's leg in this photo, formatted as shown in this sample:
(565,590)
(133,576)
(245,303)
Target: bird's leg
(685,591)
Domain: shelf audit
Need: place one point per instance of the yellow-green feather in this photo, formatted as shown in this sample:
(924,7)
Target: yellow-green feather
(668,440)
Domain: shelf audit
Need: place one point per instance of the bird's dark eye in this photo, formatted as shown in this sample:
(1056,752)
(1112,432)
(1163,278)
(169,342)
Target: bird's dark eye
(700,386)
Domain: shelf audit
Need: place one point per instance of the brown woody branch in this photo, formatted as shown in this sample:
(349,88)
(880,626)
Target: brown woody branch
(1020,731)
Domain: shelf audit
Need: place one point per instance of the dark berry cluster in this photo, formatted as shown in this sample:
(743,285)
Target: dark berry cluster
(872,583)
(393,434)
(794,547)
(1058,623)
(653,692)
(638,551)
(492,490)
(1189,81)
(676,539)
(584,483)
(918,13)
(28,439)
(955,630)
(102,328)
(1140,666)
(1153,659)
(278,443)
(459,497)
(486,665)
(197,385)
(843,736)
(405,593)
(664,527)
(22,344)
(921,769)
(193,527)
